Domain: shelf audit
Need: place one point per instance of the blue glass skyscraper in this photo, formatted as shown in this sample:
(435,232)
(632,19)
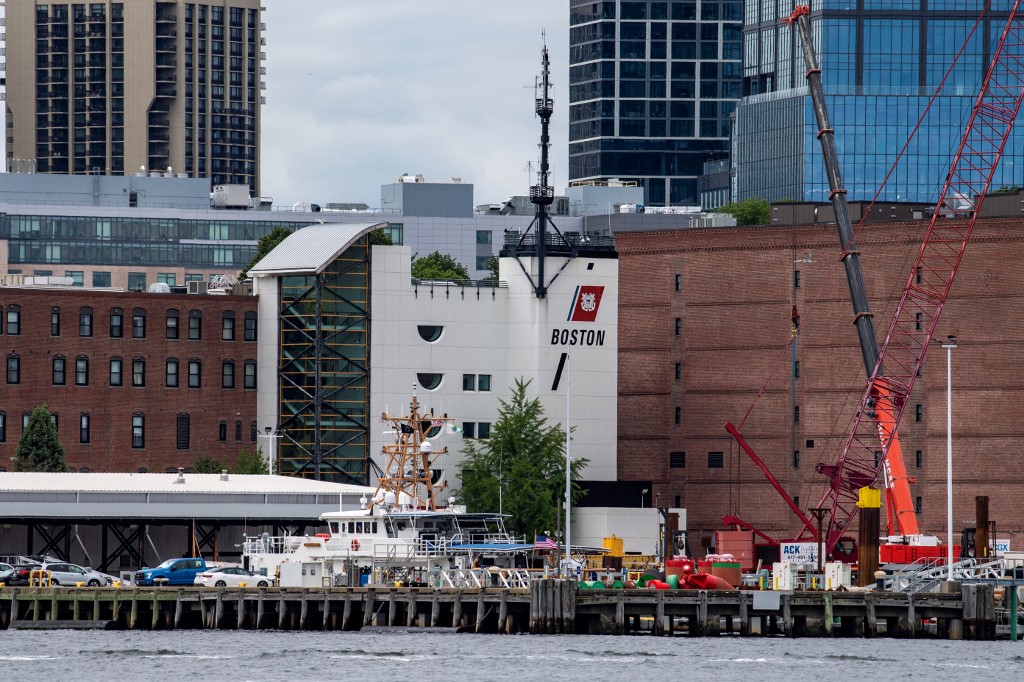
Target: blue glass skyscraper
(881,61)
(652,86)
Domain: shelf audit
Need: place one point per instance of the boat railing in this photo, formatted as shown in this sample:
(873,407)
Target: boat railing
(511,578)
(280,544)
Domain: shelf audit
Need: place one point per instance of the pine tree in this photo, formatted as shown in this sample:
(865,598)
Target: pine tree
(251,462)
(39,448)
(524,459)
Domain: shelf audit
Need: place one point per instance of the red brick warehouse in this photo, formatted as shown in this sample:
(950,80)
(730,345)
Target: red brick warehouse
(137,381)
(705,321)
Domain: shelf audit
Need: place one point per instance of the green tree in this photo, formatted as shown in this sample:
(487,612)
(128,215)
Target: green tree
(207,465)
(39,448)
(251,462)
(438,266)
(266,244)
(492,265)
(379,237)
(754,211)
(525,456)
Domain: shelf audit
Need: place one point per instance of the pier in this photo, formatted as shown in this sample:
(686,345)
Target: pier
(546,607)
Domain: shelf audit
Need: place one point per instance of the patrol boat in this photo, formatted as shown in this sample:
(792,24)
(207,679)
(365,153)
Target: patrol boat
(401,534)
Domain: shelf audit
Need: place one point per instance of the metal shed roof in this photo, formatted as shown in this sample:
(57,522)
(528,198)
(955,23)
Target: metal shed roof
(309,250)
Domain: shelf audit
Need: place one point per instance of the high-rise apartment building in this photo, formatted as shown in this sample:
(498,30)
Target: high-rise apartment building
(880,60)
(652,85)
(108,87)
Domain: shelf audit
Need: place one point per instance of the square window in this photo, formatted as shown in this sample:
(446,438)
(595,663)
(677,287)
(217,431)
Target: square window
(468,382)
(809,443)
(483,430)
(716,460)
(469,429)
(677,460)
(483,382)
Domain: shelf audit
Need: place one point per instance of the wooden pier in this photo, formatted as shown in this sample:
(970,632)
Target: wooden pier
(547,607)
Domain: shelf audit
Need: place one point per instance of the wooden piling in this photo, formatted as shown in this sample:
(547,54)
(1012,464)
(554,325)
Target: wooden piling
(787,615)
(827,618)
(282,613)
(744,615)
(346,612)
(457,610)
(410,610)
(368,603)
(659,614)
(870,618)
(620,613)
(479,610)
(435,608)
(392,608)
(503,612)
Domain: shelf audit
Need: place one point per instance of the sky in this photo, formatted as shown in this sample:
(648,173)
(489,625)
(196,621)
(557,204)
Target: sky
(361,91)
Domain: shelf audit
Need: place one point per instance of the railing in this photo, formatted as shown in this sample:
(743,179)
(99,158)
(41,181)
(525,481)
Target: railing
(927,576)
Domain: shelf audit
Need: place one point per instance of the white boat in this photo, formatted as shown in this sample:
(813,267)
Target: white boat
(401,534)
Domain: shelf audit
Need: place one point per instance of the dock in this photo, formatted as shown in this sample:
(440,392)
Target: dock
(547,607)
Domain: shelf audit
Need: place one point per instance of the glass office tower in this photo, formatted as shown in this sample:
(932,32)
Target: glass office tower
(652,85)
(881,61)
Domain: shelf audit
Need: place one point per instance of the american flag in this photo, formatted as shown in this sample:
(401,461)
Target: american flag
(542,541)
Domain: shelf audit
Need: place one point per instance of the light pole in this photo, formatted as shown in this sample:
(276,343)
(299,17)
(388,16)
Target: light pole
(950,344)
(643,494)
(271,434)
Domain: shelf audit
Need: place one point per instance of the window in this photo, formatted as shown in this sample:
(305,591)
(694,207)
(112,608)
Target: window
(918,277)
(469,429)
(796,414)
(918,505)
(483,430)
(796,279)
(195,325)
(227,374)
(918,412)
(227,326)
(483,237)
(55,420)
(222,431)
(796,369)
(3,427)
(716,460)
(171,324)
(809,443)
(182,434)
(483,382)
(919,459)
(138,372)
(250,326)
(679,282)
(59,371)
(85,322)
(429,332)
(138,431)
(253,433)
(55,321)
(796,500)
(917,321)
(238,432)
(13,369)
(83,428)
(100,279)
(250,374)
(136,281)
(468,382)
(796,459)
(115,372)
(677,460)
(81,371)
(14,320)
(24,420)
(168,278)
(77,277)
(139,323)
(116,323)
(172,373)
(679,416)
(195,374)
(679,326)
(679,371)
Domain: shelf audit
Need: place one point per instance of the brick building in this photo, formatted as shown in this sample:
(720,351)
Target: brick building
(705,325)
(136,381)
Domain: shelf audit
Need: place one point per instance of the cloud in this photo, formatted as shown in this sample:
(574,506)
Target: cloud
(358,94)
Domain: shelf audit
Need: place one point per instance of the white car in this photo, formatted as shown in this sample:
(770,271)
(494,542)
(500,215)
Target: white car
(230,576)
(70,574)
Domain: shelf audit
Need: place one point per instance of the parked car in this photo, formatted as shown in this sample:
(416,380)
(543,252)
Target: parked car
(231,576)
(5,567)
(62,573)
(17,575)
(174,571)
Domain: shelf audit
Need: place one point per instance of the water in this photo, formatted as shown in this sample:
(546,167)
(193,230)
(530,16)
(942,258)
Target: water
(269,656)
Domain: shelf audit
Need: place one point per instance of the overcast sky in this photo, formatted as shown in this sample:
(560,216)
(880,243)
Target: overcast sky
(360,92)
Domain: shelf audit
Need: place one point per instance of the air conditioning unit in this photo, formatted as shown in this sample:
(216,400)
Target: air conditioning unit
(197,287)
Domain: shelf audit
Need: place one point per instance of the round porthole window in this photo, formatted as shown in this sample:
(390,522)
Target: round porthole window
(429,381)
(429,332)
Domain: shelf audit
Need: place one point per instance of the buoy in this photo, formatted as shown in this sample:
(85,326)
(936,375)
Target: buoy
(355,545)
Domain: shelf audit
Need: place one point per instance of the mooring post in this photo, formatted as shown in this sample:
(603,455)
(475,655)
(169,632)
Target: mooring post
(303,609)
(240,622)
(218,612)
(457,610)
(282,613)
(912,621)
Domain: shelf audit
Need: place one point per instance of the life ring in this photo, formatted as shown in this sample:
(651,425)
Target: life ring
(354,545)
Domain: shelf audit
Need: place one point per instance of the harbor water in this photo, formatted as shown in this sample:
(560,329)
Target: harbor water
(270,656)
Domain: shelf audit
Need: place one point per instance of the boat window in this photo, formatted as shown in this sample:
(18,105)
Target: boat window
(351,526)
(334,527)
(359,526)
(374,527)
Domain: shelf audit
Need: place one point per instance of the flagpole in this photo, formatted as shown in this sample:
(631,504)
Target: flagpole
(568,465)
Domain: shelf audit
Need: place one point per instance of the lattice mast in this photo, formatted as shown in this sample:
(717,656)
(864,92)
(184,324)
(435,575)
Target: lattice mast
(408,471)
(930,278)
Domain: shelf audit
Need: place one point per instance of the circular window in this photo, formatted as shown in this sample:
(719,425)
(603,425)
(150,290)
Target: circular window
(429,381)
(429,332)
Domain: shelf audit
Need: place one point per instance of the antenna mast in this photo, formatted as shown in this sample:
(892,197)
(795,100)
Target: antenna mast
(410,459)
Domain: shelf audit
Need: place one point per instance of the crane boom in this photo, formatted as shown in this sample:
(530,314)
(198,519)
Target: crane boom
(903,519)
(928,284)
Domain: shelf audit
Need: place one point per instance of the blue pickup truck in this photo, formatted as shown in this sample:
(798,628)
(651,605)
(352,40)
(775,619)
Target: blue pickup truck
(174,571)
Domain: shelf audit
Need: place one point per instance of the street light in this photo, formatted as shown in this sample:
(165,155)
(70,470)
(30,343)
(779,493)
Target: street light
(643,493)
(950,344)
(271,434)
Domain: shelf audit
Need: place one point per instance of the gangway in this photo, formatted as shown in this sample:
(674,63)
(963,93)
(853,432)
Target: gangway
(925,577)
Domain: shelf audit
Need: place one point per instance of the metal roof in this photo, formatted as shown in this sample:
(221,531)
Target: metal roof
(161,496)
(310,249)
